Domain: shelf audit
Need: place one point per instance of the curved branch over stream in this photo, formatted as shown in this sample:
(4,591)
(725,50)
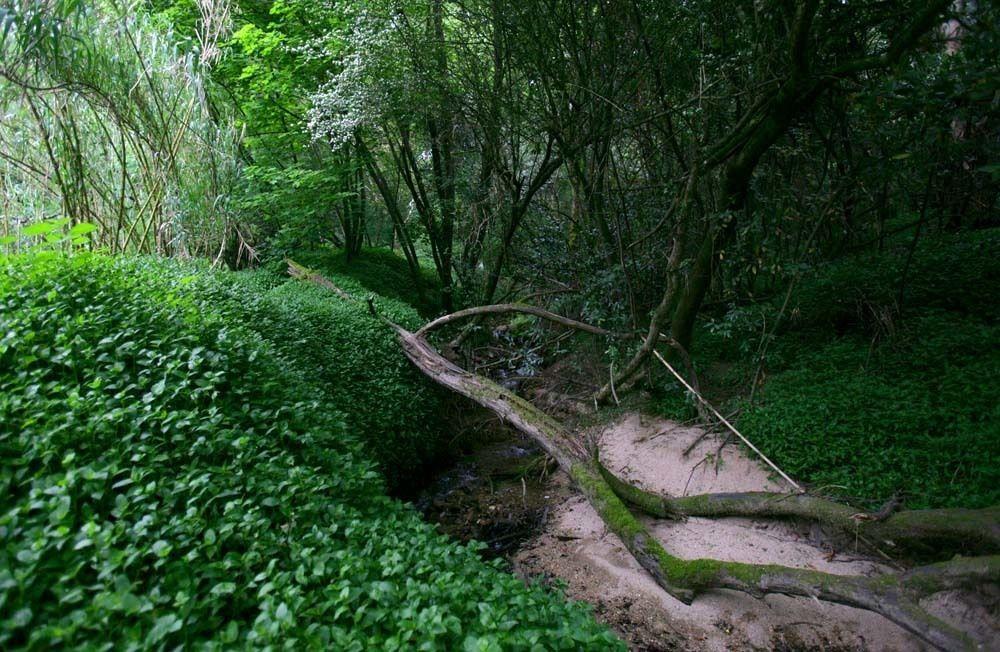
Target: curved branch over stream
(895,596)
(502,308)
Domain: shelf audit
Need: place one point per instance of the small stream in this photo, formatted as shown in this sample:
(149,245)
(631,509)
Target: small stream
(495,493)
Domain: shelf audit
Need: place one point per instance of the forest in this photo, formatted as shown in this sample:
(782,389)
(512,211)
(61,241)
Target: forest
(495,325)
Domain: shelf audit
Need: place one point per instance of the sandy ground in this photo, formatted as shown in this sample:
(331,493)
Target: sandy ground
(576,548)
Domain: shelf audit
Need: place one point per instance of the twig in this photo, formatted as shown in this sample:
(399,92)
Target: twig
(613,393)
(726,423)
(691,475)
(697,440)
(718,452)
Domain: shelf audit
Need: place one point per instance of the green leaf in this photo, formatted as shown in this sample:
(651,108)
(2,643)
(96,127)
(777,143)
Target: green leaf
(224,588)
(82,228)
(231,633)
(21,617)
(39,228)
(161,548)
(164,625)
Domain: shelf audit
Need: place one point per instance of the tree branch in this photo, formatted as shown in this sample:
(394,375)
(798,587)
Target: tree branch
(929,533)
(502,308)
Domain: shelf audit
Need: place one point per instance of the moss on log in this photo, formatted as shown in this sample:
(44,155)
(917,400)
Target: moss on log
(895,596)
(926,533)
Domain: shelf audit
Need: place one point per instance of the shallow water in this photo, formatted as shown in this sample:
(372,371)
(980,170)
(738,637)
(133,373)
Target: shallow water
(494,493)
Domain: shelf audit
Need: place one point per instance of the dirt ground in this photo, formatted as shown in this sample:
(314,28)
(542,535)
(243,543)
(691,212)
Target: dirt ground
(503,492)
(574,547)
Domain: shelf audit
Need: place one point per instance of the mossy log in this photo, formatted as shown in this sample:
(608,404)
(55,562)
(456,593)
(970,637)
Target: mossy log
(895,596)
(925,533)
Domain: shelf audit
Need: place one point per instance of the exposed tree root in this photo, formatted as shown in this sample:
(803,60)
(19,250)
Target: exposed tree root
(938,533)
(895,596)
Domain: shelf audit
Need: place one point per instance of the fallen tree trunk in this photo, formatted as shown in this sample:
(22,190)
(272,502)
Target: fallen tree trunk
(939,532)
(895,596)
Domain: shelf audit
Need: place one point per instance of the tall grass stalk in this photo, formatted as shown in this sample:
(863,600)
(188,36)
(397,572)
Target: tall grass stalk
(107,120)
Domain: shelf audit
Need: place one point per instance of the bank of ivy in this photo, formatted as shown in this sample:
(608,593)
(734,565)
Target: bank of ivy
(380,271)
(351,357)
(881,378)
(171,478)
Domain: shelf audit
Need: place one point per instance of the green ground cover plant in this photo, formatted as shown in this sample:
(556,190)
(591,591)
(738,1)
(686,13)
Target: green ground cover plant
(378,270)
(171,479)
(867,397)
(351,358)
(917,417)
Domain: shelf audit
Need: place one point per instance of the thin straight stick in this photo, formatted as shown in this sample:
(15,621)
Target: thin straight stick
(725,422)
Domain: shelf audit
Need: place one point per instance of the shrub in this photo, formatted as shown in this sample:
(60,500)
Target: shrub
(170,480)
(351,357)
(958,273)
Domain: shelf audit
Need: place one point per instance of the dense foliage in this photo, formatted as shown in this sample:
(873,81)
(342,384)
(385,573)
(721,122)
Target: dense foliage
(107,122)
(350,356)
(381,272)
(170,479)
(867,395)
(802,196)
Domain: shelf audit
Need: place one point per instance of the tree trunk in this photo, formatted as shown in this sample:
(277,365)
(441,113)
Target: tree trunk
(395,214)
(443,163)
(895,596)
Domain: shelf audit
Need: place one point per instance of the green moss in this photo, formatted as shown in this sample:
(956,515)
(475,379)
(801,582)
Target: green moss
(646,501)
(612,510)
(693,575)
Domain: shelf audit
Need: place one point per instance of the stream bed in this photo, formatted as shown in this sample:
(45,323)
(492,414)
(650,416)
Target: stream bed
(494,493)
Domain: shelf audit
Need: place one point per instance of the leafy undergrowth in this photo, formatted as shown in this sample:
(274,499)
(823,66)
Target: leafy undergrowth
(171,478)
(919,416)
(379,271)
(866,397)
(351,357)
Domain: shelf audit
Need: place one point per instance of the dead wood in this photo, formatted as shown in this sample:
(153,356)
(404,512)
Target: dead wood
(895,596)
(940,533)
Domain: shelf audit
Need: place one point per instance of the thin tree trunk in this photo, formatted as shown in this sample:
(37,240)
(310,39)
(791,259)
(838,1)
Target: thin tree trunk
(392,207)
